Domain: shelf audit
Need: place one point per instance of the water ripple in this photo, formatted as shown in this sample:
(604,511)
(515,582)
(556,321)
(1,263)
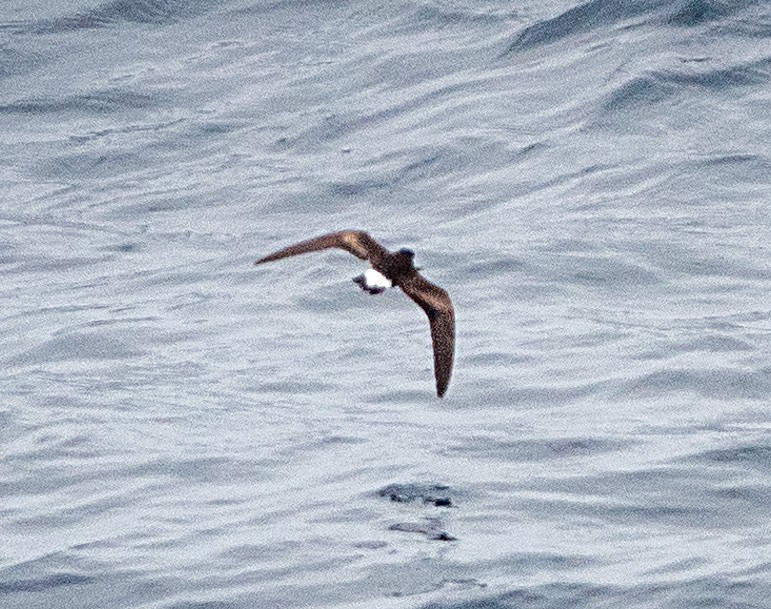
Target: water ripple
(99,102)
(585,17)
(156,12)
(44,583)
(724,384)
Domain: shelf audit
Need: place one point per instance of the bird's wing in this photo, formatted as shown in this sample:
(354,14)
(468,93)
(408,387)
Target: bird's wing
(441,316)
(358,243)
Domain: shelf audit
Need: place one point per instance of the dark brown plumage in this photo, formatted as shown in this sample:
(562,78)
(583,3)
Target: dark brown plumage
(399,269)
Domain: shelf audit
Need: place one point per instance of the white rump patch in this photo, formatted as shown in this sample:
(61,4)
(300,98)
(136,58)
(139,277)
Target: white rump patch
(376,280)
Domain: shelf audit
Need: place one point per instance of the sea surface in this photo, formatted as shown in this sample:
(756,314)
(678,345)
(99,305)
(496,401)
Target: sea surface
(590,182)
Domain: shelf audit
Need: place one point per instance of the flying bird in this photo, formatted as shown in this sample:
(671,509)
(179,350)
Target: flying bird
(392,269)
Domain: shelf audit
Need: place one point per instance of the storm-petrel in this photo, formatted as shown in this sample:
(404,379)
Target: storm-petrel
(393,269)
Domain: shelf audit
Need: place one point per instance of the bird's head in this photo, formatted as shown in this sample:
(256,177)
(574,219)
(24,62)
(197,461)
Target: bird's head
(407,256)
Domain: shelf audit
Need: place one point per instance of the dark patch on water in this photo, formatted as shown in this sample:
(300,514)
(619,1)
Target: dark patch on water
(204,605)
(747,457)
(732,160)
(6,419)
(150,12)
(703,592)
(77,347)
(598,14)
(499,393)
(430,527)
(534,450)
(747,503)
(358,188)
(715,383)
(657,86)
(502,265)
(124,248)
(583,18)
(441,16)
(400,396)
(294,387)
(497,359)
(106,101)
(640,91)
(433,494)
(698,12)
(722,79)
(574,595)
(14,62)
(126,130)
(703,344)
(215,129)
(713,344)
(44,584)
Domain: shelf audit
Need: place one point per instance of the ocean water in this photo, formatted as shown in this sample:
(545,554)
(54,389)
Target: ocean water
(589,181)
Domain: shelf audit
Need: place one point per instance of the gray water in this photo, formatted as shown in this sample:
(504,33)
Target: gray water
(590,182)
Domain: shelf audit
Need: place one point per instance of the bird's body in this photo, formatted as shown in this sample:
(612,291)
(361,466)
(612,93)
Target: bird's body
(393,269)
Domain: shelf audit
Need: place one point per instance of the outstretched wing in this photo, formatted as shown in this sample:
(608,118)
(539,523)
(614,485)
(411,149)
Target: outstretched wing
(441,316)
(358,243)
